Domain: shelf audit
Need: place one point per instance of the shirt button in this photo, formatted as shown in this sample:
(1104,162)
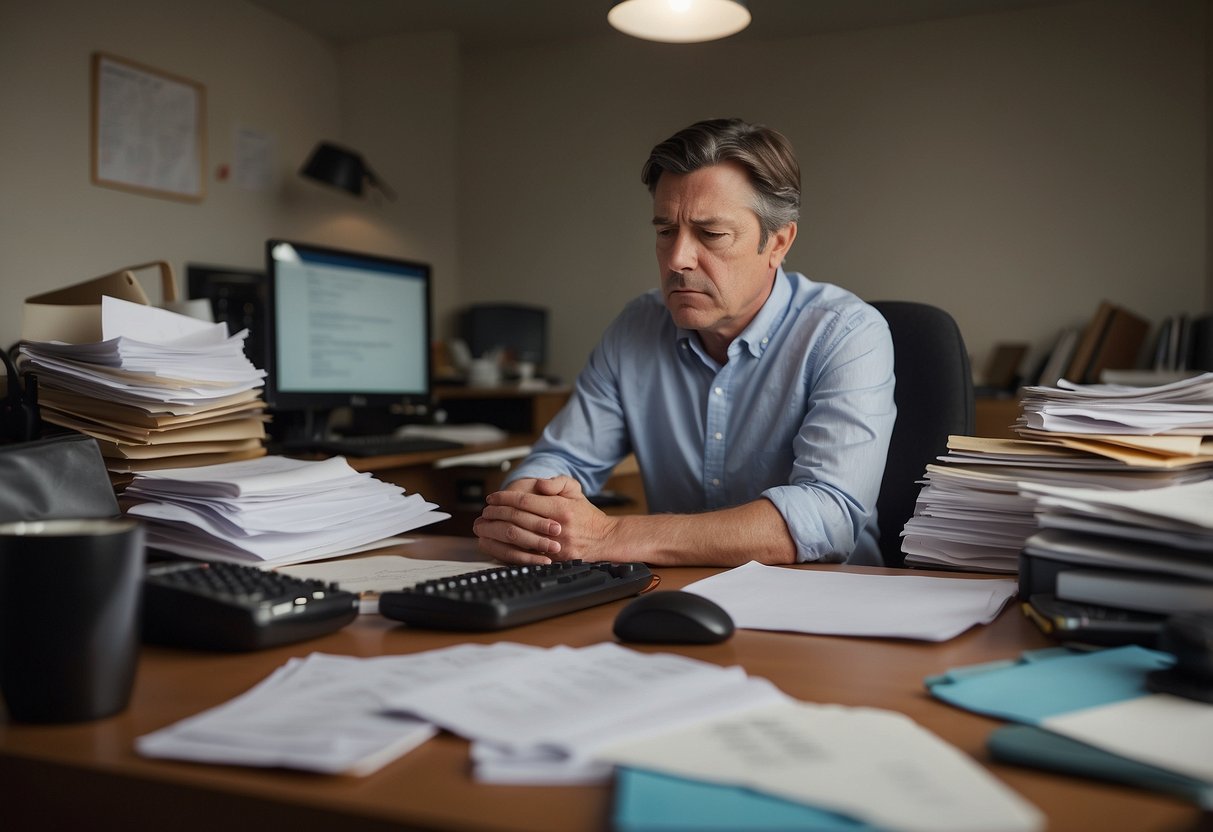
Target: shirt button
(719,391)
(719,435)
(715,482)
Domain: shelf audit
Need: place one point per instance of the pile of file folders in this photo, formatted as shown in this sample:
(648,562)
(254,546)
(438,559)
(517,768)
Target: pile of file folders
(987,498)
(1110,566)
(161,390)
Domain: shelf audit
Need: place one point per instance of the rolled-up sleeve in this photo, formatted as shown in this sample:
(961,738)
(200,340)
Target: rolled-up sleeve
(840,449)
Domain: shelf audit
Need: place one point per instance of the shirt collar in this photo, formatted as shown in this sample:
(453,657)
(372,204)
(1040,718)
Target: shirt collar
(757,334)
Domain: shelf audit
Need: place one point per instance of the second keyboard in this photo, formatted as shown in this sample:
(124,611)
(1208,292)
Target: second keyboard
(494,599)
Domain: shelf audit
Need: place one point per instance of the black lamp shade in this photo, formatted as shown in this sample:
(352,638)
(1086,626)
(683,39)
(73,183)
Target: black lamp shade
(341,168)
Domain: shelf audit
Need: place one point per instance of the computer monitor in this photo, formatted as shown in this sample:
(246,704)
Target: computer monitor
(344,329)
(518,330)
(237,298)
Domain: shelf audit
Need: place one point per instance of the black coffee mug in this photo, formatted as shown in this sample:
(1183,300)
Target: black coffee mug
(69,617)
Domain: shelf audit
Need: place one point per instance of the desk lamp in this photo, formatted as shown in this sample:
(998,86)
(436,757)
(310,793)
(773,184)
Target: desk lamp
(679,21)
(342,168)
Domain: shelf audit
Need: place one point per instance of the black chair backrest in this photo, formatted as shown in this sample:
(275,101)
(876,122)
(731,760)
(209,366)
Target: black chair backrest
(934,396)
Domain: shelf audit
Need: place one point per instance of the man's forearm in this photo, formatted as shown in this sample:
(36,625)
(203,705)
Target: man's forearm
(728,537)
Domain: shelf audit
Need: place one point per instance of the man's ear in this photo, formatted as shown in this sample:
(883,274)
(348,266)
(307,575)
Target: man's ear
(778,245)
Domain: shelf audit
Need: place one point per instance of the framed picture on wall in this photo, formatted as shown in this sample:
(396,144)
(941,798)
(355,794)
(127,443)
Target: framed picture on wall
(148,130)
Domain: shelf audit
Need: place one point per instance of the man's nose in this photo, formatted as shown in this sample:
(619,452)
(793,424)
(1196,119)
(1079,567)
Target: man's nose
(684,253)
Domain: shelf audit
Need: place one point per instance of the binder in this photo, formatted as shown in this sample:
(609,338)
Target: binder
(1111,340)
(1124,589)
(1119,345)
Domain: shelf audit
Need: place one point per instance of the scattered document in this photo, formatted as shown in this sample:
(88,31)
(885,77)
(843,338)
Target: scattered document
(472,434)
(540,718)
(571,715)
(323,713)
(369,576)
(848,604)
(500,459)
(875,765)
(273,510)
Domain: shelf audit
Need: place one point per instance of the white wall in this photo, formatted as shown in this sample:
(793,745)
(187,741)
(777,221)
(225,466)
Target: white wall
(1013,168)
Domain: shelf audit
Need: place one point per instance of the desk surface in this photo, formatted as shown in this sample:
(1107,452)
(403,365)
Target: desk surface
(89,774)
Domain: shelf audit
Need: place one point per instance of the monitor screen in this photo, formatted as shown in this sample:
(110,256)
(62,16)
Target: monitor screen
(517,330)
(345,329)
(237,298)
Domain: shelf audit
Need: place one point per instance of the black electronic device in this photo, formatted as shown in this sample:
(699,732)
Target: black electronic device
(234,607)
(344,329)
(517,330)
(673,617)
(238,299)
(1091,623)
(500,597)
(1188,637)
(20,419)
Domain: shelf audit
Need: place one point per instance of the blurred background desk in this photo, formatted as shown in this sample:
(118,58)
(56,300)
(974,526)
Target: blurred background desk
(460,490)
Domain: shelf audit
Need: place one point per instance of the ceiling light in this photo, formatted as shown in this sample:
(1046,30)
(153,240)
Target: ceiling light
(679,21)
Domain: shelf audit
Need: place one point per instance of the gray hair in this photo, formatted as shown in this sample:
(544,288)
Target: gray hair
(765,154)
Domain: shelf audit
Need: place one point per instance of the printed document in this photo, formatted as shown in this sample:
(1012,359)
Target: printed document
(872,764)
(762,597)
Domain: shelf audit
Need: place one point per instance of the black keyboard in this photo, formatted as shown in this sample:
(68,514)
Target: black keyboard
(228,606)
(493,599)
(374,445)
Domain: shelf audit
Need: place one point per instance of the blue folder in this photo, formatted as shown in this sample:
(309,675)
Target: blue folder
(1046,683)
(646,801)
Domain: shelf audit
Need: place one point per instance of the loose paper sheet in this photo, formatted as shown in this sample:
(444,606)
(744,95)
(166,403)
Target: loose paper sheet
(872,764)
(847,604)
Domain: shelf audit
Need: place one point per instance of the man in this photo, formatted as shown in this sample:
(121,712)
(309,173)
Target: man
(758,403)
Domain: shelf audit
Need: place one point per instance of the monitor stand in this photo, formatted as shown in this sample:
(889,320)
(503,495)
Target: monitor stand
(295,429)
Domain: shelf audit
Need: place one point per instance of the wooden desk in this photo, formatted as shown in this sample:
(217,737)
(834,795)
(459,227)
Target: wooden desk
(88,775)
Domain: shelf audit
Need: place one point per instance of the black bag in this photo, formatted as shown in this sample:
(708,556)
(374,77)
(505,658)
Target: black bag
(59,477)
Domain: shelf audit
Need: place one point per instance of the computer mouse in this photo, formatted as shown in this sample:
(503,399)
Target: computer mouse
(673,617)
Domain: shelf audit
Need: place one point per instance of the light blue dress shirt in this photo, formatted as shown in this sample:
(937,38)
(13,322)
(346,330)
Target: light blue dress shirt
(800,414)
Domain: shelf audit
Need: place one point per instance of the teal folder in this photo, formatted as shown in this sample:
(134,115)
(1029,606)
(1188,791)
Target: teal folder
(1046,683)
(1027,745)
(1055,682)
(646,801)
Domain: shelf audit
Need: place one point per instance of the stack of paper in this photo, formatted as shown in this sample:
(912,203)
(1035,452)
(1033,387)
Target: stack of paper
(1147,551)
(1181,407)
(161,390)
(974,514)
(977,509)
(273,510)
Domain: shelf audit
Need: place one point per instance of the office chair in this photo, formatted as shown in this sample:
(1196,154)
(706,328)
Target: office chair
(934,397)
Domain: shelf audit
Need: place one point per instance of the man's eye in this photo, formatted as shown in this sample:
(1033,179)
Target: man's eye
(665,232)
(713,235)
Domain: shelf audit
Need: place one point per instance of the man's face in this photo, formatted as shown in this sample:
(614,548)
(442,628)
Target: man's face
(713,276)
